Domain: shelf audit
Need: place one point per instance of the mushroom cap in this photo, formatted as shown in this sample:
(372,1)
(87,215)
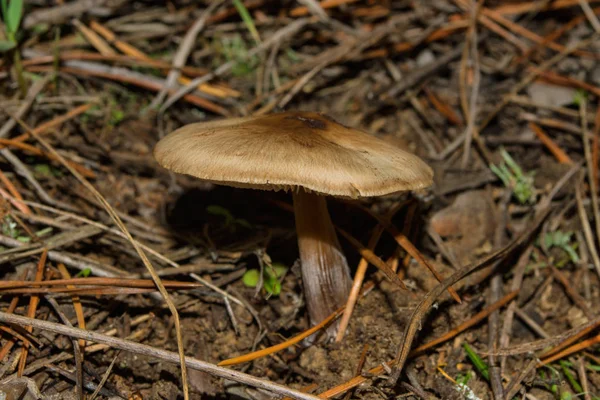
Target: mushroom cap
(292,150)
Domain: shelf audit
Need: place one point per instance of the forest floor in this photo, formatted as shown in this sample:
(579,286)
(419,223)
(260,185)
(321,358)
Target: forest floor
(500,98)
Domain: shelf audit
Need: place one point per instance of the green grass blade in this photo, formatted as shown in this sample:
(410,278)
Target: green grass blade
(477,361)
(4,5)
(247,18)
(13,15)
(574,384)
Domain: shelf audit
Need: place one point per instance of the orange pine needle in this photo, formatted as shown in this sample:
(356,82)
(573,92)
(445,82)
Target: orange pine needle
(555,149)
(34,150)
(596,148)
(33,303)
(93,38)
(76,303)
(467,324)
(112,39)
(15,193)
(283,345)
(443,108)
(54,122)
(131,51)
(570,350)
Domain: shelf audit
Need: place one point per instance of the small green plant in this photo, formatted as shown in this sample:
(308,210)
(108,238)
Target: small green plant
(46,171)
(272,275)
(562,240)
(515,179)
(580,97)
(247,18)
(12,13)
(11,16)
(230,222)
(570,377)
(10,227)
(84,273)
(235,49)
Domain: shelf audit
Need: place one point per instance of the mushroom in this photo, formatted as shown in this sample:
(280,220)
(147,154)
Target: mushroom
(310,155)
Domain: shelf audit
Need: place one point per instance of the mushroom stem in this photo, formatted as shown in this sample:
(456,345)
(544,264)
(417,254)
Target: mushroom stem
(325,272)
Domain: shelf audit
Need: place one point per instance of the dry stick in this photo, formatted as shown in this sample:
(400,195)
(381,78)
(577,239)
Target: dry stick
(562,80)
(467,324)
(332,56)
(583,378)
(515,285)
(359,367)
(4,143)
(471,129)
(70,259)
(531,36)
(406,244)
(20,168)
(145,59)
(10,342)
(77,349)
(278,36)
(104,378)
(96,41)
(84,68)
(550,39)
(528,6)
(590,15)
(573,349)
(587,230)
(531,323)
(284,345)
(112,39)
(565,339)
(495,370)
(17,335)
(13,191)
(33,303)
(301,11)
(590,166)
(531,76)
(596,150)
(82,291)
(137,248)
(36,59)
(572,293)
(515,385)
(168,356)
(120,282)
(419,74)
(373,259)
(183,51)
(32,94)
(316,9)
(141,245)
(56,121)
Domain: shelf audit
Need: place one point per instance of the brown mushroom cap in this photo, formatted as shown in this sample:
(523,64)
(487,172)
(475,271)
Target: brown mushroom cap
(290,150)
